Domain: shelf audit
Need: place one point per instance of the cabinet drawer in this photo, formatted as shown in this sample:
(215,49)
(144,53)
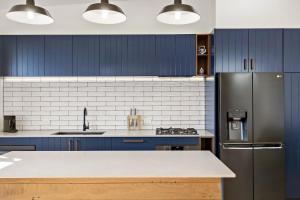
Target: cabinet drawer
(133,143)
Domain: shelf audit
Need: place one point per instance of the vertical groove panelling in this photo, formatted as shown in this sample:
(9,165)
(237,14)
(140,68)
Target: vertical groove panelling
(150,69)
(30,56)
(58,56)
(231,48)
(292,124)
(185,55)
(113,55)
(165,54)
(291,50)
(265,47)
(86,56)
(9,55)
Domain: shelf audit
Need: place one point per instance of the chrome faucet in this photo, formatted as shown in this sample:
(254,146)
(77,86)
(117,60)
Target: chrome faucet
(85,127)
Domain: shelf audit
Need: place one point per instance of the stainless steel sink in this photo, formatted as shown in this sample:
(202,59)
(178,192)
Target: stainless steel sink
(80,133)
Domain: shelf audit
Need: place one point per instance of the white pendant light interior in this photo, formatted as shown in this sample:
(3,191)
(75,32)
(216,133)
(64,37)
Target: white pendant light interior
(178,14)
(29,13)
(104,13)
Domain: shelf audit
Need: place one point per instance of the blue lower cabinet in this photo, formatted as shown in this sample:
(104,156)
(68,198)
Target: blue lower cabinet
(92,144)
(133,144)
(18,143)
(176,141)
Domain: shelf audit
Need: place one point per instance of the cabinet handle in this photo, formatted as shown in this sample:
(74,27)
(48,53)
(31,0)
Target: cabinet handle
(71,145)
(245,64)
(252,64)
(133,141)
(77,145)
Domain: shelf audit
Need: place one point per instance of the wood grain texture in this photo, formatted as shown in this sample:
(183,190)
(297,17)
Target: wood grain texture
(111,189)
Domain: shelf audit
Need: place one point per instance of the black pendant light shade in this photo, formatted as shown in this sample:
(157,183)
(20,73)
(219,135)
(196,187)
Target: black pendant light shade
(178,14)
(104,13)
(29,13)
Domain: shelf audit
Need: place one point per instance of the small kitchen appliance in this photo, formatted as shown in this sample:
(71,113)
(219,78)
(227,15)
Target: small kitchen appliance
(9,124)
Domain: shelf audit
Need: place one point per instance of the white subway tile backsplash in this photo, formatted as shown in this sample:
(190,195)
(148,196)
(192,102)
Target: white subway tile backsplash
(49,103)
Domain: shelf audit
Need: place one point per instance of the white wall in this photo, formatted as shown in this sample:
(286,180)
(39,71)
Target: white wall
(141,18)
(257,14)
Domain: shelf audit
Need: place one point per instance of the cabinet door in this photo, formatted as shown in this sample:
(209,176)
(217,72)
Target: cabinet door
(185,55)
(92,144)
(9,55)
(291,50)
(30,55)
(292,134)
(141,55)
(266,50)
(113,55)
(231,50)
(133,144)
(58,56)
(165,54)
(86,56)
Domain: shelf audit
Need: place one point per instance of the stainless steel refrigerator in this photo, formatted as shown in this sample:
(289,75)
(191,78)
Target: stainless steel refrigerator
(250,134)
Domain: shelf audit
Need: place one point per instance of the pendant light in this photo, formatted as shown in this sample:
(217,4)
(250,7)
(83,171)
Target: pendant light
(104,13)
(178,14)
(29,13)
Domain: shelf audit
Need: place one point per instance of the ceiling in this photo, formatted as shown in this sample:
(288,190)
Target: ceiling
(141,16)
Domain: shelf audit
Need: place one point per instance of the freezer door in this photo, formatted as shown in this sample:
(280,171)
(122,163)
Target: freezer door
(269,173)
(239,158)
(268,107)
(234,92)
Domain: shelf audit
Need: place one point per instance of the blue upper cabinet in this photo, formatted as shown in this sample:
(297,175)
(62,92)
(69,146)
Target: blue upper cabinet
(185,56)
(30,55)
(292,50)
(231,50)
(9,55)
(141,55)
(166,54)
(254,50)
(266,50)
(86,56)
(58,56)
(113,55)
(292,134)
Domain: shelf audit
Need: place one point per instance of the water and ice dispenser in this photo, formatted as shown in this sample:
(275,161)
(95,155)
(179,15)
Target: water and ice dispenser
(237,123)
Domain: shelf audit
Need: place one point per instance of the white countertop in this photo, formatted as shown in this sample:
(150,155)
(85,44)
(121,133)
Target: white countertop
(113,164)
(108,133)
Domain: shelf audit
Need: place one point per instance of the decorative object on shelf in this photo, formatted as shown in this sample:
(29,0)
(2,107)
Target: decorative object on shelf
(201,71)
(134,121)
(178,14)
(202,50)
(104,13)
(9,124)
(29,13)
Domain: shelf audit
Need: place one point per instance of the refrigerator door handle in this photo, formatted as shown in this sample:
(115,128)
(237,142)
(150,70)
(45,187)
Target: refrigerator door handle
(268,146)
(237,146)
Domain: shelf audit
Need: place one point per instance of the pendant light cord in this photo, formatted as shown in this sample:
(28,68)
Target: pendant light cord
(177,1)
(104,1)
(30,2)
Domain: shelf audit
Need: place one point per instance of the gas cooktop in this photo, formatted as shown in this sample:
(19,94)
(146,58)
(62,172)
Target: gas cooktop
(176,131)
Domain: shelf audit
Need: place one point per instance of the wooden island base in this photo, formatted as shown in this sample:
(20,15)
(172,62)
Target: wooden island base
(111,189)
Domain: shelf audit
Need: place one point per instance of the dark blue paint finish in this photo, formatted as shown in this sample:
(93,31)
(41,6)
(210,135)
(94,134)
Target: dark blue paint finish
(266,48)
(121,144)
(166,54)
(292,139)
(58,56)
(177,141)
(86,58)
(231,49)
(93,144)
(141,55)
(30,55)
(20,141)
(9,55)
(185,55)
(291,50)
(113,55)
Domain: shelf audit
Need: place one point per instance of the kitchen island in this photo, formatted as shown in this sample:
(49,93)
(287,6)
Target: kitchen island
(126,175)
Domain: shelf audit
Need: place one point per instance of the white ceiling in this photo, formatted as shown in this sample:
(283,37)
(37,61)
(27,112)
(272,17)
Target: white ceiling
(141,18)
